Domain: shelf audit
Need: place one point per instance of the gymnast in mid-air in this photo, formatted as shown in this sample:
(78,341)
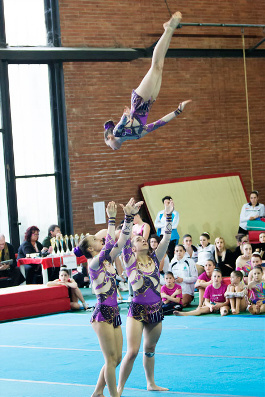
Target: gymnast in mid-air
(133,122)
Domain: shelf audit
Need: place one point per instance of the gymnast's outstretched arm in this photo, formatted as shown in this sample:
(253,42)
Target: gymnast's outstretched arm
(163,245)
(166,119)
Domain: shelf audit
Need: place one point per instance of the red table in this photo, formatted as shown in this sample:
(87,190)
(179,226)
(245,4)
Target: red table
(71,261)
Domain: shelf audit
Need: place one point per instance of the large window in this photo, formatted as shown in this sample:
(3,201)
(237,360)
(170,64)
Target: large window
(25,23)
(33,141)
(33,146)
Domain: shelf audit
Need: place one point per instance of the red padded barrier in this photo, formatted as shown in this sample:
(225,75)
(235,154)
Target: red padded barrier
(226,280)
(32,300)
(253,236)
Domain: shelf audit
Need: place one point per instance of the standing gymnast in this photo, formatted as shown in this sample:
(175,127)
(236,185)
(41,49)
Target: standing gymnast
(133,122)
(145,314)
(106,319)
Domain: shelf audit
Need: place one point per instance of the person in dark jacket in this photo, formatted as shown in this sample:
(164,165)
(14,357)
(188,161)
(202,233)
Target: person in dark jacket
(10,270)
(31,245)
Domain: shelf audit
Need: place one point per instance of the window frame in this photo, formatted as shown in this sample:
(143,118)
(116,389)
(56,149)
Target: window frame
(58,122)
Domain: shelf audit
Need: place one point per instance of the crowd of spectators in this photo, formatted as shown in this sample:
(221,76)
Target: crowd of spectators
(187,266)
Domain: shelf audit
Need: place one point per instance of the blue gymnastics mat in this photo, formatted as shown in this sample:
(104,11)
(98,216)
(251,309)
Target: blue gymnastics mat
(59,355)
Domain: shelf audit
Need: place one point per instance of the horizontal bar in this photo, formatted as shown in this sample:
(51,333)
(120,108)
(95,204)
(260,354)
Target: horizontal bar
(48,54)
(68,54)
(223,25)
(33,176)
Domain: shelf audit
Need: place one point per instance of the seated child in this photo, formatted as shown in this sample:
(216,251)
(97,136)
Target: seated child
(215,299)
(243,262)
(73,290)
(185,273)
(256,261)
(257,288)
(204,280)
(171,294)
(260,247)
(236,292)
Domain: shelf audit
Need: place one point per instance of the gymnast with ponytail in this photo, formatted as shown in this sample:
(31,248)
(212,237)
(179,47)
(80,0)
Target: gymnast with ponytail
(106,319)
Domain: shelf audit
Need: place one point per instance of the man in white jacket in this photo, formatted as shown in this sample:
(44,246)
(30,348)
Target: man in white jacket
(185,273)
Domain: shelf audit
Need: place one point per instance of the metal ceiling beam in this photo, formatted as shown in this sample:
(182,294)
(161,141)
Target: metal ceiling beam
(68,54)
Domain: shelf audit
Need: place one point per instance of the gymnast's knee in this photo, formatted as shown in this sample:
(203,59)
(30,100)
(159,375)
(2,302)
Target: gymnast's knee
(158,65)
(149,354)
(132,354)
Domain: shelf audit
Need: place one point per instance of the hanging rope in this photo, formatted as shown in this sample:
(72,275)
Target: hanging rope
(170,13)
(249,134)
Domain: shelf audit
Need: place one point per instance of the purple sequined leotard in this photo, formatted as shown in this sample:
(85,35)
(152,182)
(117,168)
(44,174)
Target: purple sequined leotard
(139,111)
(106,309)
(146,305)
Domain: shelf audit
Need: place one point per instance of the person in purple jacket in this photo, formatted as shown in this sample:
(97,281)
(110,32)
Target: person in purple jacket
(133,122)
(145,313)
(106,319)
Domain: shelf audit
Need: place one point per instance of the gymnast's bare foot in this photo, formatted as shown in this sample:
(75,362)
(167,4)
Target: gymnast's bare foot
(258,304)
(95,394)
(174,21)
(251,309)
(176,313)
(154,387)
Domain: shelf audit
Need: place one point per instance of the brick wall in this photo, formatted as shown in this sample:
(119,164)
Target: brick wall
(210,136)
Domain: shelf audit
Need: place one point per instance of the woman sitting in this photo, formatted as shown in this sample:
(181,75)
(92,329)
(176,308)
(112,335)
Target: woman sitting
(250,211)
(31,245)
(191,250)
(224,258)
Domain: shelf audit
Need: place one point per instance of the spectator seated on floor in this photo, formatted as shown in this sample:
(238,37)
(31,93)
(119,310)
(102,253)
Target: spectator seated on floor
(206,251)
(224,258)
(215,300)
(243,262)
(256,261)
(236,293)
(260,247)
(185,273)
(191,250)
(9,269)
(74,292)
(204,280)
(171,295)
(240,239)
(31,245)
(257,292)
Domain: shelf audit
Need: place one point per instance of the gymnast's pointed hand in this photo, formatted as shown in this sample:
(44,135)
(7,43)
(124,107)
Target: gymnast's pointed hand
(131,208)
(169,208)
(183,104)
(111,209)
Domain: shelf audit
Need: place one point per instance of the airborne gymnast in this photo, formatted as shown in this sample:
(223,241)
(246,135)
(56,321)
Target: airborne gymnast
(133,122)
